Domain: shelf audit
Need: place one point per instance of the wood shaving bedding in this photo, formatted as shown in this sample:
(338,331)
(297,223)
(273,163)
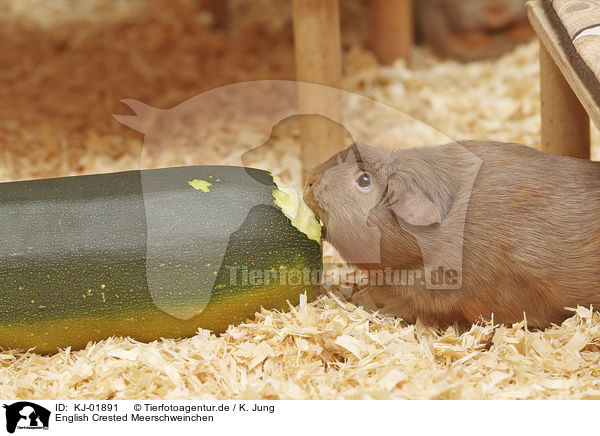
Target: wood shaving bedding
(55,120)
(326,349)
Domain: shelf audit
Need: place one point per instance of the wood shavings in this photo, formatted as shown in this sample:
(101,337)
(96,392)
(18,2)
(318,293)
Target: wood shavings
(342,352)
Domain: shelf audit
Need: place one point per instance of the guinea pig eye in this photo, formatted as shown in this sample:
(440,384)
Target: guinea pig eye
(364,182)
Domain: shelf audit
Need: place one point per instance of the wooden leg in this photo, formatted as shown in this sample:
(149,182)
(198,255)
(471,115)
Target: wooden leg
(565,124)
(318,60)
(391,29)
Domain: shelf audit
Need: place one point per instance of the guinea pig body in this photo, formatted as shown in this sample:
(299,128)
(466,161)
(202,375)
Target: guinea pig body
(520,227)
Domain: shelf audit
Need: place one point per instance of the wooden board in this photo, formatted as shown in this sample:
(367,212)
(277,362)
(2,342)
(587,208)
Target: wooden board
(581,20)
(552,42)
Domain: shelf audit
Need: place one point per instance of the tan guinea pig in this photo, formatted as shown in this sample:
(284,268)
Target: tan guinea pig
(483,227)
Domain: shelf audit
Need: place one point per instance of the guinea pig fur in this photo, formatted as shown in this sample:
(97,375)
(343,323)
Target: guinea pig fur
(518,229)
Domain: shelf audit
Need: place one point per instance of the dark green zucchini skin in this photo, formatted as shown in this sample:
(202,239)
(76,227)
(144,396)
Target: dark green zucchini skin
(136,254)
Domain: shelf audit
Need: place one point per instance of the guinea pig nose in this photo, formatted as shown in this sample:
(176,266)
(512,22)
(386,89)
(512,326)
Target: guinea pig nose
(308,187)
(310,182)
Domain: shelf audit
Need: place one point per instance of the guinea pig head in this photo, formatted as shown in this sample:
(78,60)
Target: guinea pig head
(370,208)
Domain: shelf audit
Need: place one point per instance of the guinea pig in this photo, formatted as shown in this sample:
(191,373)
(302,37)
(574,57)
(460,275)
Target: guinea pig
(487,230)
(472,29)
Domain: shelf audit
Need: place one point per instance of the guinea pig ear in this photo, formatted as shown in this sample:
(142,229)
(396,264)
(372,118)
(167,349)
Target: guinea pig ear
(410,204)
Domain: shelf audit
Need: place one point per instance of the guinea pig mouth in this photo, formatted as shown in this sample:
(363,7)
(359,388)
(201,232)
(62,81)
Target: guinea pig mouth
(320,214)
(310,202)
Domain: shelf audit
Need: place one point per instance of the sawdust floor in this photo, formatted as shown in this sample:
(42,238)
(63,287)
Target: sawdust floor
(63,70)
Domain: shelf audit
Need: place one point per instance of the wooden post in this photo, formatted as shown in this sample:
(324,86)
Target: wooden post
(565,123)
(391,28)
(318,60)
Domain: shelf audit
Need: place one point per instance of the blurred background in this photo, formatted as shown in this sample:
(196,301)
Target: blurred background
(65,65)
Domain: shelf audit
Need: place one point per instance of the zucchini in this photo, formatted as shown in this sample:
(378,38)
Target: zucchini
(149,254)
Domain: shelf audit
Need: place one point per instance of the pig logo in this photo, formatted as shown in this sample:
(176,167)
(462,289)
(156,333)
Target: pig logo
(205,122)
(26,415)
